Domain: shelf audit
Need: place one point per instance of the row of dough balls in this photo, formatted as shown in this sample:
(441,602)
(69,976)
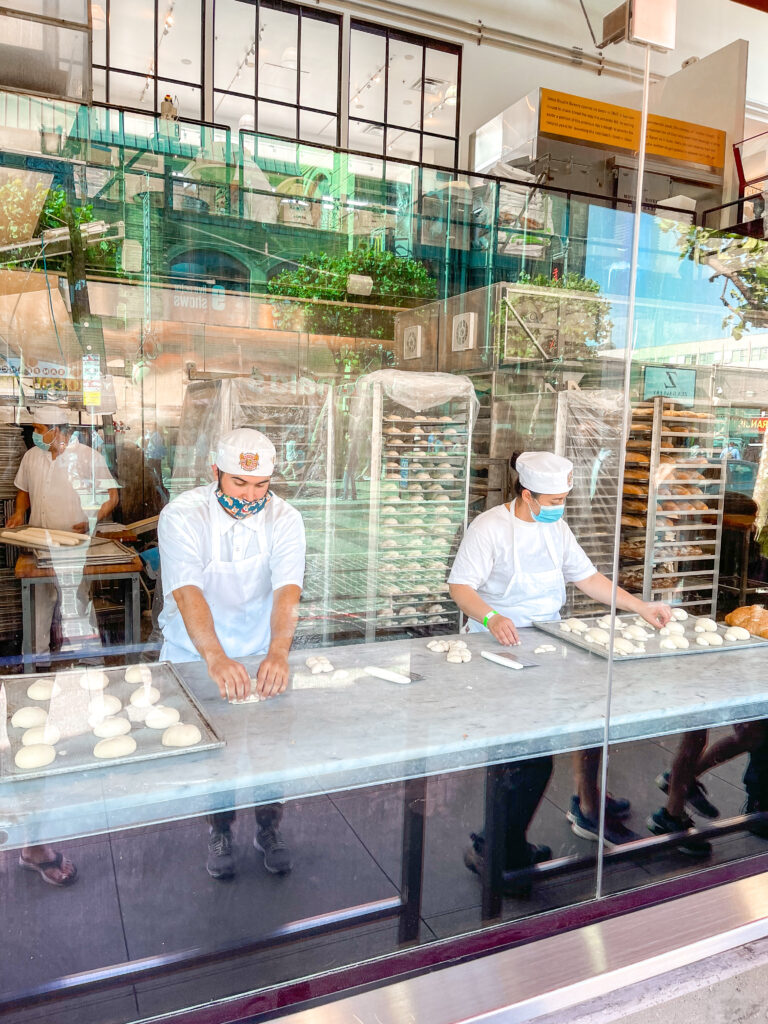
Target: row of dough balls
(633,636)
(456,651)
(40,737)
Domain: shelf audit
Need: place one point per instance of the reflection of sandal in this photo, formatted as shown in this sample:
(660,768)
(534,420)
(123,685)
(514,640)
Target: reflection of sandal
(43,867)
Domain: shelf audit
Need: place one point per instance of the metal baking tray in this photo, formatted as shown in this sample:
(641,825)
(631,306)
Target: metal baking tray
(68,710)
(652,648)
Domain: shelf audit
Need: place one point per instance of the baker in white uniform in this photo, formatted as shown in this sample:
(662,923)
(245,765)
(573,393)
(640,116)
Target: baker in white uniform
(232,562)
(511,568)
(64,485)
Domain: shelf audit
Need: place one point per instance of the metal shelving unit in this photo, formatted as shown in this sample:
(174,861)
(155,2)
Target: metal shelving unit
(683,511)
(588,432)
(419,495)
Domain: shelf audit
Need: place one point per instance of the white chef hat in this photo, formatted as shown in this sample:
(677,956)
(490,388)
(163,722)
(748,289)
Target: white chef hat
(544,472)
(50,414)
(246,452)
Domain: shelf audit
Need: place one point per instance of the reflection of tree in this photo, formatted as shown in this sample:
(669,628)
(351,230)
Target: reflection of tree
(322,276)
(740,263)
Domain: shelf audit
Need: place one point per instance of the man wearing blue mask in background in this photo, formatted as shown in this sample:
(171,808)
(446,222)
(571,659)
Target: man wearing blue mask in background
(232,557)
(511,569)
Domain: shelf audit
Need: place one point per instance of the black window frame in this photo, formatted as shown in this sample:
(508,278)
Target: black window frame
(425,42)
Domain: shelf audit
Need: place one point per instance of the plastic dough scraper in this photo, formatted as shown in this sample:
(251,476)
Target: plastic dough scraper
(390,676)
(508,660)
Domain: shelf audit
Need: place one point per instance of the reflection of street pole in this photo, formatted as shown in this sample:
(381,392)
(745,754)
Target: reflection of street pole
(88,331)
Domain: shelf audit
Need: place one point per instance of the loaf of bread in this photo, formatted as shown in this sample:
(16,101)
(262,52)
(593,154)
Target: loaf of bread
(639,457)
(633,521)
(634,505)
(636,489)
(636,474)
(753,617)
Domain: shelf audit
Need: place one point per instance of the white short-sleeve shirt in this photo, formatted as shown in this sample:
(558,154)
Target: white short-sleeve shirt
(484,559)
(184,535)
(66,490)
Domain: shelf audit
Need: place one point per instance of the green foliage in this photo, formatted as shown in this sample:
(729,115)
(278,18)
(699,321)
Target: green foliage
(18,206)
(740,262)
(571,282)
(322,276)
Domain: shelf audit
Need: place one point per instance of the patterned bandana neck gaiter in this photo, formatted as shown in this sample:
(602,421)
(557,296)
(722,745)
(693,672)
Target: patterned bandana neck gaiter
(239,508)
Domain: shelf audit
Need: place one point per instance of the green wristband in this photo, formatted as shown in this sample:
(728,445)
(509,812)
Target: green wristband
(491,613)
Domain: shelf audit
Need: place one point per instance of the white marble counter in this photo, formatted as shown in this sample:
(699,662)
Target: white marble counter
(328,733)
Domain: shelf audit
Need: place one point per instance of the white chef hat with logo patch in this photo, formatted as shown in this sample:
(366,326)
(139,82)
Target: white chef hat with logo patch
(246,452)
(544,472)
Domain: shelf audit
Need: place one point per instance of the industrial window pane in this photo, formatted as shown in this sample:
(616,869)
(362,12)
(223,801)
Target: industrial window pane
(404,97)
(131,91)
(277,120)
(441,77)
(99,21)
(319,82)
(235,111)
(66,10)
(132,35)
(365,137)
(403,145)
(179,40)
(438,150)
(278,55)
(317,127)
(234,54)
(367,65)
(99,85)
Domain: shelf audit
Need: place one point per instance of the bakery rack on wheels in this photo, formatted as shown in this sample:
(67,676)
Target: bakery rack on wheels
(672,510)
(416,430)
(299,419)
(588,431)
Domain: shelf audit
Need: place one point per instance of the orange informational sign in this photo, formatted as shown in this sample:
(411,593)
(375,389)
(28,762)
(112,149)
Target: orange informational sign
(605,124)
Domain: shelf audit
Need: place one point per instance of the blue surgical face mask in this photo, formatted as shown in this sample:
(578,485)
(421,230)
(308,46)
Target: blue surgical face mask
(239,508)
(37,439)
(548,513)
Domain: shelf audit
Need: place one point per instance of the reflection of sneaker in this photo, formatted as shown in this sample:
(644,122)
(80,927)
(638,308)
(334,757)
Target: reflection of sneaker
(663,824)
(617,806)
(277,856)
(587,828)
(758,827)
(516,882)
(696,796)
(221,863)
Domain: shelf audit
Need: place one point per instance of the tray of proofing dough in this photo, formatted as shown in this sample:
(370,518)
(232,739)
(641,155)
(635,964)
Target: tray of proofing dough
(654,643)
(72,720)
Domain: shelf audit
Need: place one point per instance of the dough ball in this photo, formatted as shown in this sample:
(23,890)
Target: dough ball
(41,734)
(668,644)
(460,644)
(715,640)
(577,625)
(43,689)
(564,627)
(703,639)
(181,735)
(604,622)
(636,633)
(145,696)
(704,625)
(454,657)
(115,746)
(732,634)
(622,646)
(110,727)
(138,674)
(672,629)
(598,636)
(101,706)
(681,642)
(161,717)
(29,718)
(36,756)
(466,655)
(680,614)
(94,679)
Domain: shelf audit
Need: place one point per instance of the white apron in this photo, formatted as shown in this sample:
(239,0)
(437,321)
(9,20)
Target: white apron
(239,595)
(530,595)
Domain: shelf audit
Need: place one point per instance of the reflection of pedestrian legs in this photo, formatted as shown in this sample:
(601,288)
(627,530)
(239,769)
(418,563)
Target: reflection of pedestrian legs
(584,810)
(517,790)
(679,784)
(46,597)
(268,840)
